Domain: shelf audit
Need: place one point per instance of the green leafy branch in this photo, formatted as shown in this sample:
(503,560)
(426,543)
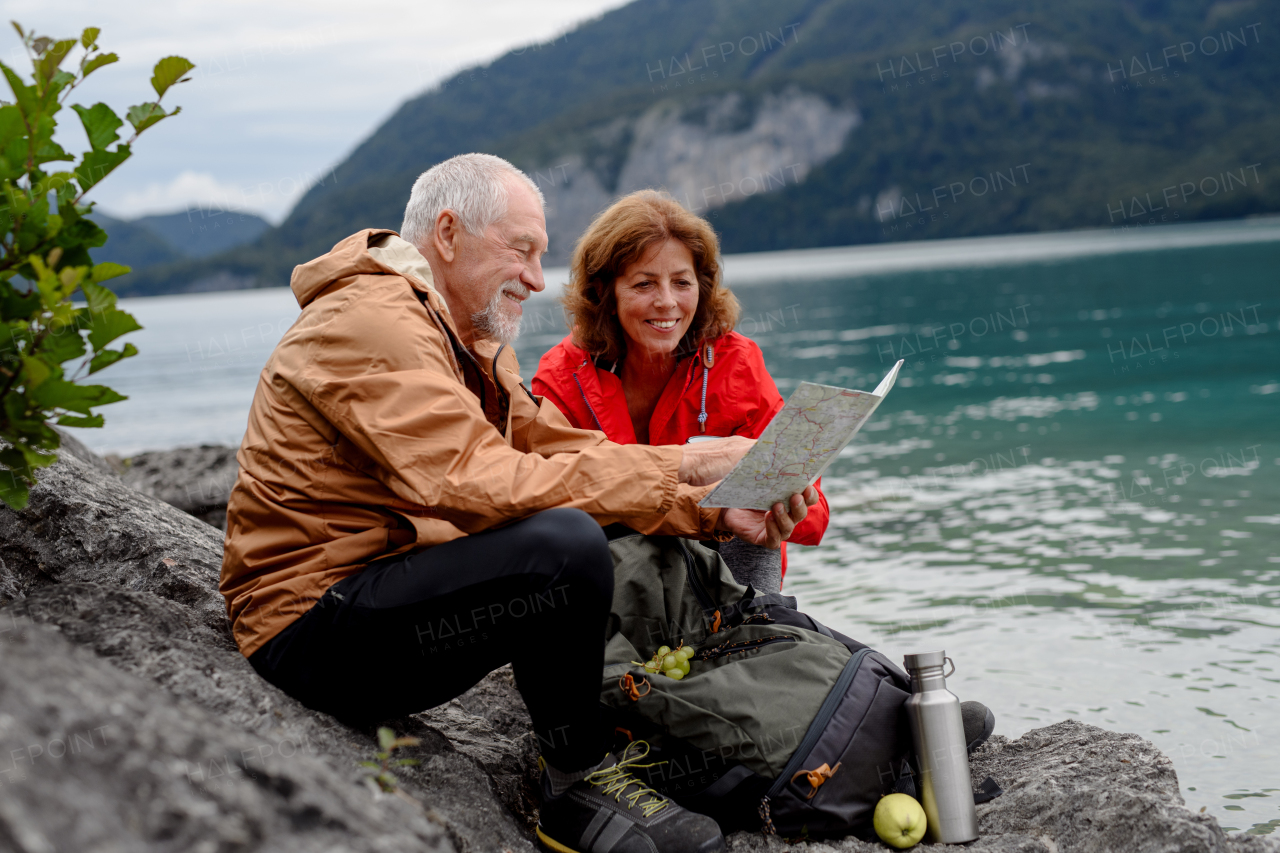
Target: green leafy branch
(389,743)
(45,238)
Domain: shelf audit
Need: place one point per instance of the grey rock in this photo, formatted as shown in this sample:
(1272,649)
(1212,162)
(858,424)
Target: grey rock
(133,581)
(196,480)
(85,525)
(490,724)
(73,446)
(115,654)
(1088,789)
(95,759)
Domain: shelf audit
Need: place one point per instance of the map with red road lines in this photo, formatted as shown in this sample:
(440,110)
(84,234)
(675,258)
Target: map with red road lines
(800,442)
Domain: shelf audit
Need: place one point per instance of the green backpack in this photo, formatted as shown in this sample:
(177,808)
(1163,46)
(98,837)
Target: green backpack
(781,723)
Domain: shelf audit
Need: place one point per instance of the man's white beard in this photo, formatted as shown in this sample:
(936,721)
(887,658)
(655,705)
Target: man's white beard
(497,322)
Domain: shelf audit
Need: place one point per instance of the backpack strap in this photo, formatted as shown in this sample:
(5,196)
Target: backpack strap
(726,784)
(773,598)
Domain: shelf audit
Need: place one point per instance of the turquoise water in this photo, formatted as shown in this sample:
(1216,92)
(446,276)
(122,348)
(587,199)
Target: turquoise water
(1074,487)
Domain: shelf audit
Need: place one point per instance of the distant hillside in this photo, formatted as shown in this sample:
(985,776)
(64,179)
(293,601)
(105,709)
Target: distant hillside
(174,238)
(133,245)
(795,123)
(201,233)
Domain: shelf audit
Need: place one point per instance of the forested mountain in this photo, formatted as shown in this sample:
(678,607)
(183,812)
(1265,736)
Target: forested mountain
(797,123)
(175,237)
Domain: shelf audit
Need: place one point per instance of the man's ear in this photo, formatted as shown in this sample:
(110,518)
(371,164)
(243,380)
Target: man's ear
(444,236)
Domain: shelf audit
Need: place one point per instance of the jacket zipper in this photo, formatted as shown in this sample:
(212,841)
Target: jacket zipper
(588,402)
(726,649)
(502,394)
(819,724)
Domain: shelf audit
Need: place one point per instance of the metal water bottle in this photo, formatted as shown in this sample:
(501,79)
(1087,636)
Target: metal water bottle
(938,733)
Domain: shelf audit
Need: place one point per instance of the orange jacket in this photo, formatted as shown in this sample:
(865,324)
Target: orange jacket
(739,398)
(374,432)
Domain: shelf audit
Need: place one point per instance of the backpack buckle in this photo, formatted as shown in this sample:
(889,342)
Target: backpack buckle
(817,777)
(632,690)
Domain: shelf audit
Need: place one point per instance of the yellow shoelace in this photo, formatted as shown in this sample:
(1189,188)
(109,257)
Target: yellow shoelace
(614,780)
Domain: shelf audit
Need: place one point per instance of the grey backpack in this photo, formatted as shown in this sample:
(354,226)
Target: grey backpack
(781,724)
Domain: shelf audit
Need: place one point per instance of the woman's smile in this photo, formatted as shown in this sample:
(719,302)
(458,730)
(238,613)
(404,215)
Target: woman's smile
(663,281)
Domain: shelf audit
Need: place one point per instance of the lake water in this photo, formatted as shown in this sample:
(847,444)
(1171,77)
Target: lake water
(1074,487)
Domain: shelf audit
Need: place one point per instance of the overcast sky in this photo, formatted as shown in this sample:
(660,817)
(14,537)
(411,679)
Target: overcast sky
(283,89)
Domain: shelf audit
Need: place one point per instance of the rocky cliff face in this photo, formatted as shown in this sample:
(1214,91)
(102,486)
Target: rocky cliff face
(721,149)
(129,721)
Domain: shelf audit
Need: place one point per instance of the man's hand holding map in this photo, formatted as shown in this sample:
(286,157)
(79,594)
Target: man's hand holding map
(800,442)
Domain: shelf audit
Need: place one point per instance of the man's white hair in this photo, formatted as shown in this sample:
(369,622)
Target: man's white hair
(473,186)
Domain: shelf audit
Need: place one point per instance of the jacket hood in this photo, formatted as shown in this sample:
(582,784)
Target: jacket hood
(373,251)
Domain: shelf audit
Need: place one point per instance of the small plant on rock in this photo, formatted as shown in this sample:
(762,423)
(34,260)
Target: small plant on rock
(45,238)
(381,768)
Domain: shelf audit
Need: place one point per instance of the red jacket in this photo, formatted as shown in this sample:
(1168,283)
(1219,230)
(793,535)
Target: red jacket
(741,399)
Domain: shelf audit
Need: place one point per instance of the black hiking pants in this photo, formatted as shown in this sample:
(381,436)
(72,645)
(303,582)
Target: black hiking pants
(413,631)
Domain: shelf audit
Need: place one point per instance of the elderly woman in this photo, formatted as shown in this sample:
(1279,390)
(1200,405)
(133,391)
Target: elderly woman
(652,357)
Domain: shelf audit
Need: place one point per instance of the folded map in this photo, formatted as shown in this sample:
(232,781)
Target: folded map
(798,444)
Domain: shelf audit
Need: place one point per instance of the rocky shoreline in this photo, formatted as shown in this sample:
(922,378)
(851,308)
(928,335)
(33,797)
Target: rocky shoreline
(129,721)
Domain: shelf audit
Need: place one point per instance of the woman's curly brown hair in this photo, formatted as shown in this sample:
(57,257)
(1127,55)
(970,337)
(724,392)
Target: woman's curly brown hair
(620,236)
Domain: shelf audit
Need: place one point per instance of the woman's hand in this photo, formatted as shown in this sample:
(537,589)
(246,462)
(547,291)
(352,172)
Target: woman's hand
(769,529)
(707,462)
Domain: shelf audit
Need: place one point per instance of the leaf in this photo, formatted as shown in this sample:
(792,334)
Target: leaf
(386,737)
(62,344)
(98,61)
(89,36)
(375,765)
(407,762)
(46,282)
(27,98)
(96,165)
(11,127)
(62,78)
(143,116)
(108,357)
(108,270)
(19,306)
(35,449)
(37,372)
(51,58)
(100,124)
(62,394)
(49,150)
(108,325)
(70,278)
(168,72)
(13,491)
(405,741)
(85,234)
(87,422)
(99,298)
(18,27)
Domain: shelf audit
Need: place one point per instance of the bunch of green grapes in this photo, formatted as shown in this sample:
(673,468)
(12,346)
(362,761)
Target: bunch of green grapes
(673,663)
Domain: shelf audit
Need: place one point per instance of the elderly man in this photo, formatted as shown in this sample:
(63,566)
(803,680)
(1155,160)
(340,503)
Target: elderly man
(408,517)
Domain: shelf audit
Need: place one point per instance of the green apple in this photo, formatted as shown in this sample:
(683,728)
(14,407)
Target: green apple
(899,821)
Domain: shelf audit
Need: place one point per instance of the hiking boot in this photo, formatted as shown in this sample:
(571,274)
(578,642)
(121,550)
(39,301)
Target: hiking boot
(611,811)
(979,723)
